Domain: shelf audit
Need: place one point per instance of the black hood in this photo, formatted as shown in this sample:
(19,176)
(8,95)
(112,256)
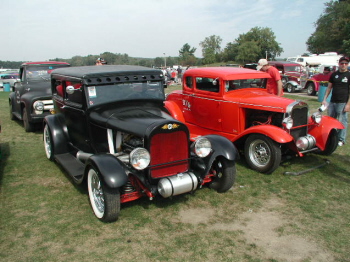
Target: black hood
(137,120)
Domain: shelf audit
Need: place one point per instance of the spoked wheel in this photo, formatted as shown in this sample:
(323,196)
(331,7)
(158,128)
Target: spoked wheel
(224,172)
(48,143)
(262,154)
(105,202)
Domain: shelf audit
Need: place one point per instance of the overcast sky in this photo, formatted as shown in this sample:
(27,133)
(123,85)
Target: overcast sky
(35,30)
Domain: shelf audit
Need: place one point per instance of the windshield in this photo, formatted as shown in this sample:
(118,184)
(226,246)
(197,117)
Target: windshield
(34,72)
(125,91)
(292,69)
(231,85)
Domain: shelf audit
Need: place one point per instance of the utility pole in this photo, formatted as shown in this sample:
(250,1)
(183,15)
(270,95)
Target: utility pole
(164,60)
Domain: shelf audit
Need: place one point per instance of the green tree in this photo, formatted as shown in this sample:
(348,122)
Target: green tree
(186,55)
(332,29)
(211,48)
(250,47)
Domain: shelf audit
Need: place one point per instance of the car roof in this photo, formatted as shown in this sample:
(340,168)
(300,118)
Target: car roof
(227,73)
(94,71)
(45,63)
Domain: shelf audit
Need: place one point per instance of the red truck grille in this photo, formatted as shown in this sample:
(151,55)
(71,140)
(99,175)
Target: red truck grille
(169,154)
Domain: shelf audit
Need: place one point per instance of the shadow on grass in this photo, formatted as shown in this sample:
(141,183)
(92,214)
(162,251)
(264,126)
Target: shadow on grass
(4,154)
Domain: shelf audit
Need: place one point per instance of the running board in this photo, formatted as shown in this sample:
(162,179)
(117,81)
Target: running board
(71,165)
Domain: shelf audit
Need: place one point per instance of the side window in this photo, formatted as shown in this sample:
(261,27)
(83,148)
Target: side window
(58,90)
(207,84)
(189,82)
(77,96)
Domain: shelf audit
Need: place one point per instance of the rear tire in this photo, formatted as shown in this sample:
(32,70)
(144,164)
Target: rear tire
(105,201)
(48,143)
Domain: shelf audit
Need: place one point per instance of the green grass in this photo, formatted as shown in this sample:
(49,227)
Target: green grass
(44,217)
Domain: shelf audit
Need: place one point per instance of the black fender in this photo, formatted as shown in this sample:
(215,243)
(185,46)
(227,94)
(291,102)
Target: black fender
(221,147)
(110,168)
(58,132)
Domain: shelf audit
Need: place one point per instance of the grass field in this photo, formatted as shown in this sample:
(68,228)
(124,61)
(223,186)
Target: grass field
(44,217)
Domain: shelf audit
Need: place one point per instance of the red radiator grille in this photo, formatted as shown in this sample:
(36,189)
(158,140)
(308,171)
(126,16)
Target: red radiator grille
(169,154)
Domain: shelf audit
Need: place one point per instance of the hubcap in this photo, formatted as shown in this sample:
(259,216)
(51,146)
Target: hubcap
(260,153)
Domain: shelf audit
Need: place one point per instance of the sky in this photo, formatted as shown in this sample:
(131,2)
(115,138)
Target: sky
(39,30)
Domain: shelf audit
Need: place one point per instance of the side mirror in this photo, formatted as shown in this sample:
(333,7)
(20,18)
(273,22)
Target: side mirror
(70,90)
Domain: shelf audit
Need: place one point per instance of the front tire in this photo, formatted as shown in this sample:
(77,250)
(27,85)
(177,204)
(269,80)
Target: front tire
(105,202)
(262,153)
(48,143)
(224,172)
(332,143)
(28,127)
(290,88)
(310,89)
(12,116)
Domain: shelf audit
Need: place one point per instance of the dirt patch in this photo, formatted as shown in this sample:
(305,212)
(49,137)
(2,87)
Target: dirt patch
(260,228)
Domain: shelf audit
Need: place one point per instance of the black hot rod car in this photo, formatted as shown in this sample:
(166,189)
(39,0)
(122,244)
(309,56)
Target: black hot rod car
(110,129)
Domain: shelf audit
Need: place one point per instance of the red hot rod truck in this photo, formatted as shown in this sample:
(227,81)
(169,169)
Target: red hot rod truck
(234,103)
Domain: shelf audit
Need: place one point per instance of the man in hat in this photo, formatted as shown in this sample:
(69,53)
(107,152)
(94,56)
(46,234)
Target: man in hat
(274,84)
(100,61)
(339,84)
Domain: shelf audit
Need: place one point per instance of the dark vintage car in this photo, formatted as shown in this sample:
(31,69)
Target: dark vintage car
(31,99)
(233,102)
(292,75)
(110,130)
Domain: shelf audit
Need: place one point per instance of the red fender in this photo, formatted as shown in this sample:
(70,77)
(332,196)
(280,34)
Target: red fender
(322,131)
(275,133)
(174,110)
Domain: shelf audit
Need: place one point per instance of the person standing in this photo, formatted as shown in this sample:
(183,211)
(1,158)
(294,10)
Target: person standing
(274,84)
(339,106)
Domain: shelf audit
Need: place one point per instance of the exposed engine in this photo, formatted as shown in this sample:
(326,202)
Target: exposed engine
(261,117)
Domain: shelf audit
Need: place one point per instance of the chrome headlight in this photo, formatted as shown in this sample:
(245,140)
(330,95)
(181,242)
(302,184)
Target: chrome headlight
(38,107)
(288,122)
(317,116)
(202,147)
(140,158)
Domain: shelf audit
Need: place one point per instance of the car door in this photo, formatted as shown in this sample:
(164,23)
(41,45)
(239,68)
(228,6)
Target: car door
(20,88)
(75,117)
(206,103)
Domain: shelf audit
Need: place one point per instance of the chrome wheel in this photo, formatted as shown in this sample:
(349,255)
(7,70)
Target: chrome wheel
(105,201)
(262,154)
(48,143)
(96,193)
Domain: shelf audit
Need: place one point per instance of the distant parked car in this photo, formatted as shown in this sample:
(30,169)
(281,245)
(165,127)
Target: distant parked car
(291,75)
(111,132)
(10,78)
(234,103)
(312,84)
(251,66)
(31,99)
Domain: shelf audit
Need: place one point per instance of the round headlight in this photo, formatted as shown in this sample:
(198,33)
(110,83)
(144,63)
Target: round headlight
(317,117)
(38,106)
(140,158)
(288,122)
(202,147)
